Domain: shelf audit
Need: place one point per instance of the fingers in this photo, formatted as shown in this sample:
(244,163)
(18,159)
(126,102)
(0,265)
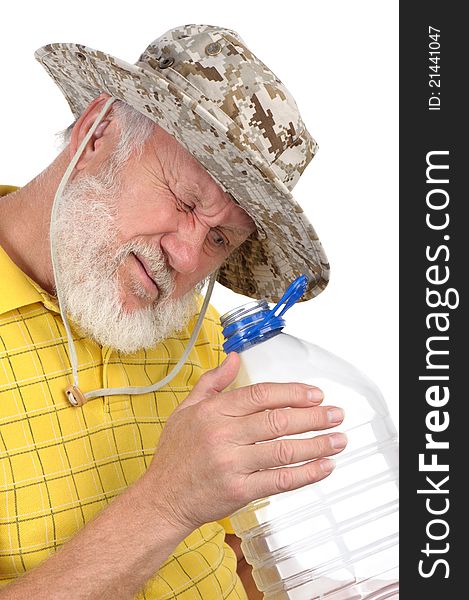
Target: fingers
(276,423)
(289,452)
(263,396)
(284,479)
(215,380)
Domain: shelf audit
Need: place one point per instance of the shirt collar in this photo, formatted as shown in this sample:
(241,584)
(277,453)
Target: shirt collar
(16,288)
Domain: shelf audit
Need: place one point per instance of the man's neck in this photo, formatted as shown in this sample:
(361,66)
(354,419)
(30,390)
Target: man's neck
(24,224)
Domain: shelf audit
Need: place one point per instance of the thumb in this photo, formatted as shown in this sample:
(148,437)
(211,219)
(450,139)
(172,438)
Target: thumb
(215,380)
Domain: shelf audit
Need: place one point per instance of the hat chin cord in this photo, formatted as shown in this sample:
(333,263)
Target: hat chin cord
(74,395)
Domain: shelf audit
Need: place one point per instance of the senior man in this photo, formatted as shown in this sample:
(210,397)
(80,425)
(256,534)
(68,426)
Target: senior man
(121,453)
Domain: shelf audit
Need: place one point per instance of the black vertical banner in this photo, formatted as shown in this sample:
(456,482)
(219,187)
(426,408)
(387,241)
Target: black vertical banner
(434,234)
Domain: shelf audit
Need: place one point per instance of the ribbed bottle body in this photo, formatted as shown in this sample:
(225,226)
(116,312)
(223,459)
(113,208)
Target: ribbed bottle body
(336,539)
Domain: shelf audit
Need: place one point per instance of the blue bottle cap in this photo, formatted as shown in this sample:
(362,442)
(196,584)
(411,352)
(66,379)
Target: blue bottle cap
(259,325)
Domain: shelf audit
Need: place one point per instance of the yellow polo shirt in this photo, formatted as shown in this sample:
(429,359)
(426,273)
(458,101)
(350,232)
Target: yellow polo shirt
(60,464)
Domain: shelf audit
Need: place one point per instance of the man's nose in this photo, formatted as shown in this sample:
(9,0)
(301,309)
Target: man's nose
(183,249)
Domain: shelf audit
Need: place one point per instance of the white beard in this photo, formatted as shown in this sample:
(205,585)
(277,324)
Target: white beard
(88,256)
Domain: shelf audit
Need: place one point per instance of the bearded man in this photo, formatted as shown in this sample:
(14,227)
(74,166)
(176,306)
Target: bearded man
(121,452)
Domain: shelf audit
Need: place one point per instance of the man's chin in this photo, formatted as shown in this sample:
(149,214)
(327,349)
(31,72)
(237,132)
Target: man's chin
(124,344)
(132,304)
(132,327)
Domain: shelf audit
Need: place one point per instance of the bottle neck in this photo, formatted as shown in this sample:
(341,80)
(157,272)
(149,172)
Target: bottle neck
(245,326)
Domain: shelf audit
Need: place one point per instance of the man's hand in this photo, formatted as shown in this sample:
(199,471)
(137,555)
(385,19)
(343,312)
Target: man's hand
(209,463)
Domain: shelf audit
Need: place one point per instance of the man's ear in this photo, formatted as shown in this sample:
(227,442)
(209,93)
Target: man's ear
(82,127)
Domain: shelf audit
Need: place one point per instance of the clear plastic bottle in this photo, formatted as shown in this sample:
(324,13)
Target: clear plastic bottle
(336,539)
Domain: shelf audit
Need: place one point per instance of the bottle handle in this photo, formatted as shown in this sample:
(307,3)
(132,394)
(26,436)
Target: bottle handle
(292,294)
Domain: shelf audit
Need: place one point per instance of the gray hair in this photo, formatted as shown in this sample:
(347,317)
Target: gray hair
(135,129)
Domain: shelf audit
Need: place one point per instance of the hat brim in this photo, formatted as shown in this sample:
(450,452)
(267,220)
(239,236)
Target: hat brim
(285,245)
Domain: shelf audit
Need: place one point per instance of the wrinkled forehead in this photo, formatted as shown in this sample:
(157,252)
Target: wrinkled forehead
(191,181)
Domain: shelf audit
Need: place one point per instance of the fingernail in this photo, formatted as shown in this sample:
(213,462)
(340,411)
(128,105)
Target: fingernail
(327,465)
(338,440)
(314,394)
(335,415)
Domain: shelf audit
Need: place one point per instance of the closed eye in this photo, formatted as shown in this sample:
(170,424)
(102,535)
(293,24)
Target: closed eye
(185,207)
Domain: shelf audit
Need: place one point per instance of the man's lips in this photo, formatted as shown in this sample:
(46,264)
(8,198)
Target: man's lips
(146,268)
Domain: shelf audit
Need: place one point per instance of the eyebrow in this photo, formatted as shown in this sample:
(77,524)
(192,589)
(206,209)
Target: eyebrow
(236,236)
(191,190)
(237,230)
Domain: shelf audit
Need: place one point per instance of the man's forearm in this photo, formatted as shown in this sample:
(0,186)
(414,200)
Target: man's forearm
(112,557)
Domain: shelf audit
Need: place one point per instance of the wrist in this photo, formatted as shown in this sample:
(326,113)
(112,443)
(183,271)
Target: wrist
(160,513)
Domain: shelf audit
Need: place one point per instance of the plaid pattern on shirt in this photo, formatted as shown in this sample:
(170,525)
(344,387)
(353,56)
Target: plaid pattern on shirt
(60,465)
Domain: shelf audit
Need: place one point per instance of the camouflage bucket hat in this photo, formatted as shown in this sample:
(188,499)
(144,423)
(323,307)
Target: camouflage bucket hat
(206,88)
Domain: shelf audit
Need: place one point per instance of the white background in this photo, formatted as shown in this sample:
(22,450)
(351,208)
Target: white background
(339,59)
